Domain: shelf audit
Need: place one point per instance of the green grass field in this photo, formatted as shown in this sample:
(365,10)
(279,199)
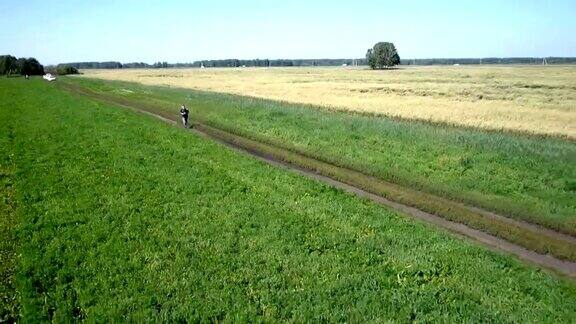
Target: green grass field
(531,178)
(118,216)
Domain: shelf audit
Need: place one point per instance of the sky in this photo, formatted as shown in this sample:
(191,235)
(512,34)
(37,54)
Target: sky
(185,31)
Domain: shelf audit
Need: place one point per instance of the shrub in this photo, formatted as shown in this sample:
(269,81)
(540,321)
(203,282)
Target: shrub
(66,69)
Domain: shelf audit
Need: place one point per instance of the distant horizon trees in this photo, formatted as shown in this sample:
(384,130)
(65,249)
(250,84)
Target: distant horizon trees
(274,63)
(10,65)
(382,55)
(95,65)
(64,69)
(160,65)
(316,62)
(24,66)
(219,63)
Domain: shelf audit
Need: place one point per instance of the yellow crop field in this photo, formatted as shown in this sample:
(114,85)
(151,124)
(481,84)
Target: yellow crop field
(532,99)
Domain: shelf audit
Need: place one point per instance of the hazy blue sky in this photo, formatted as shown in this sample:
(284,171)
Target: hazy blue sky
(184,31)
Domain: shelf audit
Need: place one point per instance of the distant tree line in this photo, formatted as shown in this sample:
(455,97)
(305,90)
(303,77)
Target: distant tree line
(95,65)
(219,63)
(490,60)
(319,62)
(276,63)
(10,65)
(61,69)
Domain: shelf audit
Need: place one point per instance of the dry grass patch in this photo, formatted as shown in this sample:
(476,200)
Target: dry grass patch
(532,99)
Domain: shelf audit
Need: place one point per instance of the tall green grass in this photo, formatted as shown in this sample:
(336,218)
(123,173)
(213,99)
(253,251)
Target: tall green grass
(530,178)
(122,217)
(8,222)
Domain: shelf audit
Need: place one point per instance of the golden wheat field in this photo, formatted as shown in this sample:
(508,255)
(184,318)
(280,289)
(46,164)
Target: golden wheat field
(533,99)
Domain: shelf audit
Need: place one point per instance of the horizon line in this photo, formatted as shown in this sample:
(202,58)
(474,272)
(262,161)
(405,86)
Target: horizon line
(313,59)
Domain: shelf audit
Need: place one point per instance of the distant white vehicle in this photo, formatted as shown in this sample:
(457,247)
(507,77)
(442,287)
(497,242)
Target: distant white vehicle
(48,77)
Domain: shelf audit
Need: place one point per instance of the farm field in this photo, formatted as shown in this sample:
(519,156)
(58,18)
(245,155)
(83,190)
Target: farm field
(118,216)
(530,178)
(530,99)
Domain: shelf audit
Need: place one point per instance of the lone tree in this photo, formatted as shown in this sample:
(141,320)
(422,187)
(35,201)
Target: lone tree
(382,55)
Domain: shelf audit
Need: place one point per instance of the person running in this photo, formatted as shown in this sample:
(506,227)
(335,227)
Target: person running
(184,113)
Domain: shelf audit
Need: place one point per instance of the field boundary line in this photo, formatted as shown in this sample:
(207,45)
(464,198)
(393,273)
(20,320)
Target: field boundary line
(384,193)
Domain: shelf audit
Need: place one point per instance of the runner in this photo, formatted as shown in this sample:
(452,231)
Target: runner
(184,113)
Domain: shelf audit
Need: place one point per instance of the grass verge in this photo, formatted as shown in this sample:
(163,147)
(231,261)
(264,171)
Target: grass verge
(9,305)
